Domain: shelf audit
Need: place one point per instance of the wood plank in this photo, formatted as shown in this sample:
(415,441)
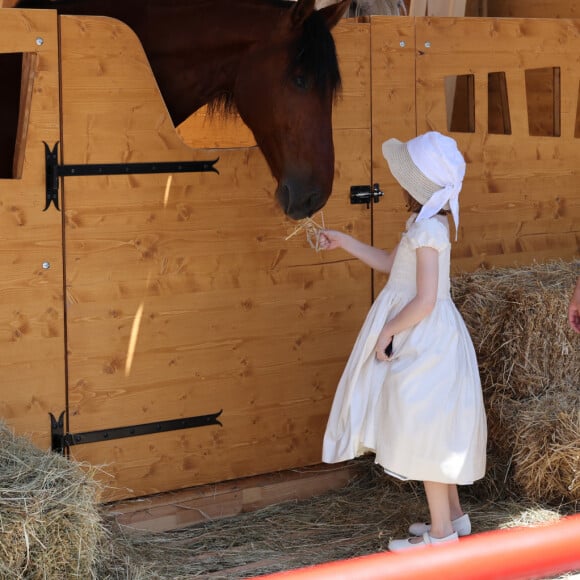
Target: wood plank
(29,72)
(418,8)
(393,104)
(437,8)
(31,297)
(178,509)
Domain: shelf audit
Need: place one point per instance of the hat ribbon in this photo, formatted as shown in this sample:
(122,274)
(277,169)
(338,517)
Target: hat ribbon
(449,193)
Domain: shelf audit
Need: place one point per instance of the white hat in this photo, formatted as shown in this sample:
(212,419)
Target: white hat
(431,168)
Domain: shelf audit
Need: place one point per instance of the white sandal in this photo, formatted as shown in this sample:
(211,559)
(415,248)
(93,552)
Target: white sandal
(400,545)
(462,525)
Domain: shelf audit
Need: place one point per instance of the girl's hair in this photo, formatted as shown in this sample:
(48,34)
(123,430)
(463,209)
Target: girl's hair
(413,206)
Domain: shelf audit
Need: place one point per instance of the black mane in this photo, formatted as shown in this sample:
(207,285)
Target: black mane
(316,56)
(314,59)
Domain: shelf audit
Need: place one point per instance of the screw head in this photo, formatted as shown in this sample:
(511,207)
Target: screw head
(402,44)
(427,44)
(45,265)
(39,41)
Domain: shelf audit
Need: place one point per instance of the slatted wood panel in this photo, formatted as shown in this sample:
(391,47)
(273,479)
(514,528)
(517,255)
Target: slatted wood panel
(225,314)
(31,305)
(520,201)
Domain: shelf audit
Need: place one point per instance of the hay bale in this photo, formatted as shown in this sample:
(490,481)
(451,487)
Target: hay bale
(518,321)
(50,526)
(529,365)
(547,453)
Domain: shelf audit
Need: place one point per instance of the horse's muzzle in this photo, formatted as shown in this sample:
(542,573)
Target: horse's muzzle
(300,205)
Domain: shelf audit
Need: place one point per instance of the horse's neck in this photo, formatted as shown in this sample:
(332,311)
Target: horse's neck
(194,46)
(205,52)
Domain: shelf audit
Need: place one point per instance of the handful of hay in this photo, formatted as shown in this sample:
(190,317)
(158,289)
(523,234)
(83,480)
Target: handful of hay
(529,360)
(49,521)
(312,229)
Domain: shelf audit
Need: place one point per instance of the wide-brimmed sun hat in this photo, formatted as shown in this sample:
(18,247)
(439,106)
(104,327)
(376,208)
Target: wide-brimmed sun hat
(431,168)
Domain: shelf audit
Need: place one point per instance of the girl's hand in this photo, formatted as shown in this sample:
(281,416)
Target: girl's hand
(385,338)
(330,239)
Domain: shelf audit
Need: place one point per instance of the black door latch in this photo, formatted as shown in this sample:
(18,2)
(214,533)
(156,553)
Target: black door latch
(365,193)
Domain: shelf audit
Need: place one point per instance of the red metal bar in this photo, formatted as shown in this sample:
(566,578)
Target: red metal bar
(516,553)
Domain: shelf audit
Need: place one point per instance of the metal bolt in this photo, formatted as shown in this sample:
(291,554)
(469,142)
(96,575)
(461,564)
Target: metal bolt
(39,41)
(402,44)
(45,265)
(427,44)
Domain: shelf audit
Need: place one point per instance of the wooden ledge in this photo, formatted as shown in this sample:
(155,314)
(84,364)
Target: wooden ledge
(182,508)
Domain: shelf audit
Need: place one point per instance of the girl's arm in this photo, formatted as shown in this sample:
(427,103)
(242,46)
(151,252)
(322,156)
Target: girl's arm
(376,258)
(420,306)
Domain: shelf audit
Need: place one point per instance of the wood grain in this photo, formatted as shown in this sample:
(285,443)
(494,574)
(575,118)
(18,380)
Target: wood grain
(195,273)
(32,380)
(182,294)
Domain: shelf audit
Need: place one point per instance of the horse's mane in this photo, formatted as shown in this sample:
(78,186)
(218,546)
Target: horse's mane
(314,59)
(316,56)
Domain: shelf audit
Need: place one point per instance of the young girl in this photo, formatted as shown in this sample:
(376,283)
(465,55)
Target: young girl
(411,391)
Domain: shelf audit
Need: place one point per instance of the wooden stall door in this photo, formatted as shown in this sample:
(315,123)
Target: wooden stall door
(514,112)
(32,350)
(183,296)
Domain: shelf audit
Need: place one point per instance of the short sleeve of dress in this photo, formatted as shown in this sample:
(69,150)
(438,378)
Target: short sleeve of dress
(430,232)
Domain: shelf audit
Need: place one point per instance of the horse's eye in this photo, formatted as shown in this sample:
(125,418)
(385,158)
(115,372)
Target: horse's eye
(300,81)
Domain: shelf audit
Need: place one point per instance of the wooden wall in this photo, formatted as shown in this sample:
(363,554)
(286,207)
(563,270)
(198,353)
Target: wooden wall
(182,295)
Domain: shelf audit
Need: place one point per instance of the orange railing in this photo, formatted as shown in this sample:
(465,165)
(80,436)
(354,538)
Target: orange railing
(517,553)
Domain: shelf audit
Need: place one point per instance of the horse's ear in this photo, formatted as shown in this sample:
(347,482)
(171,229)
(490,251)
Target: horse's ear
(301,11)
(334,12)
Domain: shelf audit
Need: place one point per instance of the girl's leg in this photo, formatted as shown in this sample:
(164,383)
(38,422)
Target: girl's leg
(439,499)
(455,508)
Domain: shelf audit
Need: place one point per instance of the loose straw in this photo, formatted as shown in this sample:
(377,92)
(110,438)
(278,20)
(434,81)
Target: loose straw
(312,229)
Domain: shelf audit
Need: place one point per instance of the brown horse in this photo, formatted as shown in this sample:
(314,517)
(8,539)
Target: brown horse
(273,61)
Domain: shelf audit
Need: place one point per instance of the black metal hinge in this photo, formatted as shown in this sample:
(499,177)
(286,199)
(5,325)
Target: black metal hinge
(364,194)
(54,170)
(61,440)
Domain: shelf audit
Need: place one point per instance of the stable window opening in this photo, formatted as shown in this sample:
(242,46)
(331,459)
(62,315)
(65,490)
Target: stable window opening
(498,110)
(460,103)
(17,73)
(543,101)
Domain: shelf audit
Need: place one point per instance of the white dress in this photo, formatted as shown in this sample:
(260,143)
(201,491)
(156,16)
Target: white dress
(422,411)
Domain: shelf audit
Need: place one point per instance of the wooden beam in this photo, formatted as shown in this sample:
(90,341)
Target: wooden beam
(179,509)
(437,8)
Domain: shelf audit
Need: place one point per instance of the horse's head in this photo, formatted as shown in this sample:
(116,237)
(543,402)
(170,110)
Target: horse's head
(291,114)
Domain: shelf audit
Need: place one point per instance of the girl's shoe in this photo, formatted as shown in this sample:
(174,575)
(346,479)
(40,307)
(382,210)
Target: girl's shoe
(462,525)
(399,545)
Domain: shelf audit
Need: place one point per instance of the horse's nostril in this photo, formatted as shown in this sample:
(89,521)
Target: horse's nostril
(316,202)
